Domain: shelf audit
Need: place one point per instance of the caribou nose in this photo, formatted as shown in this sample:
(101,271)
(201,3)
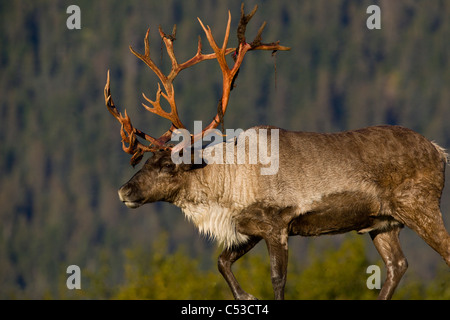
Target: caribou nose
(120,194)
(124,193)
(126,196)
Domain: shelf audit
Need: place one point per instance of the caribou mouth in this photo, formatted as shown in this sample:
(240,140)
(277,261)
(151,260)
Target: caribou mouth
(132,205)
(124,197)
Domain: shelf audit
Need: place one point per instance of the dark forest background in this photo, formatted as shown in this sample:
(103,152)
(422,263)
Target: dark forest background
(61,160)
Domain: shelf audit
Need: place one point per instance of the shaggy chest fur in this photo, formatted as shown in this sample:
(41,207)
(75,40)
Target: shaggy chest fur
(216,222)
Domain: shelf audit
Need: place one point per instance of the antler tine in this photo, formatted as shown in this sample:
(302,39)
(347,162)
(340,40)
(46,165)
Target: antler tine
(147,60)
(245,19)
(219,52)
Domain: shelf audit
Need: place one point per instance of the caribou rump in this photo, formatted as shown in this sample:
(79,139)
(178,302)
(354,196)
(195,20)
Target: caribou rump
(374,180)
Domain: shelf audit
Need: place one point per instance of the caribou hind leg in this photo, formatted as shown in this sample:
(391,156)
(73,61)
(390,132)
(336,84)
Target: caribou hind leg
(388,246)
(429,225)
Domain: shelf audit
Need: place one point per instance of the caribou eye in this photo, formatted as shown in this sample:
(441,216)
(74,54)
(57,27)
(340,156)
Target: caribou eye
(167,167)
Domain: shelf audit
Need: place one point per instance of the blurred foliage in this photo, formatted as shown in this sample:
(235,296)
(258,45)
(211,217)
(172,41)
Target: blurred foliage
(162,275)
(338,273)
(61,161)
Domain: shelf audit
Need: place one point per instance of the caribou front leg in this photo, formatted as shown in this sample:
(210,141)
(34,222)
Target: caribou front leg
(226,260)
(277,244)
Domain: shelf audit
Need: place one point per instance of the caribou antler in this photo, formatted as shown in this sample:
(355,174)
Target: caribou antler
(129,133)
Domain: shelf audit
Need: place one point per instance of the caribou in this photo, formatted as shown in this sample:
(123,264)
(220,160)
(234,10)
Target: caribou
(374,180)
